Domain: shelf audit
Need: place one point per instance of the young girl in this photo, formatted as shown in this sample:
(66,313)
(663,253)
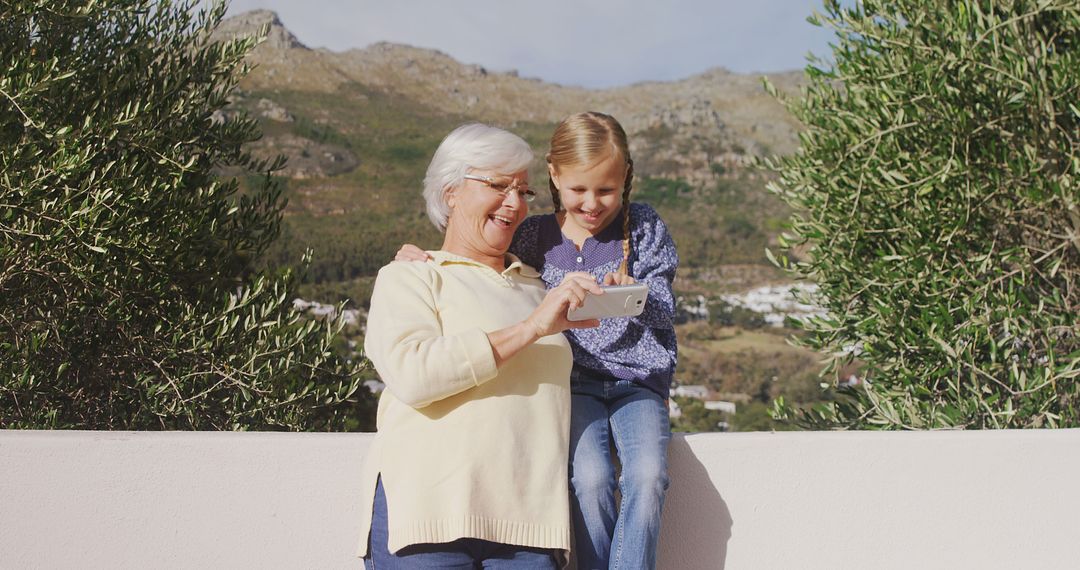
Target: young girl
(623,368)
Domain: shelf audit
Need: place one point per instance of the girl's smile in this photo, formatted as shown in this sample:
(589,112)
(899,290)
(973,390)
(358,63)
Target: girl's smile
(591,195)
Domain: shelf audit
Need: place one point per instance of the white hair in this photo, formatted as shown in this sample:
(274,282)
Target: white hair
(470,146)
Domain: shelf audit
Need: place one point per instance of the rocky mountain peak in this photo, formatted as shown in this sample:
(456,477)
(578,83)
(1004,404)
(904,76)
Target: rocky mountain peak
(703,126)
(250,23)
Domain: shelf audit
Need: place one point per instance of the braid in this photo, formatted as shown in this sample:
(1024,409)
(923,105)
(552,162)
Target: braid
(624,267)
(555,202)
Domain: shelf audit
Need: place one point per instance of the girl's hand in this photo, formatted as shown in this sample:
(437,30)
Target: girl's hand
(410,252)
(550,317)
(618,279)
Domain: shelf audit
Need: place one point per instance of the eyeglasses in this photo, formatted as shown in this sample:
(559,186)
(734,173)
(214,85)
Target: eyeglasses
(504,185)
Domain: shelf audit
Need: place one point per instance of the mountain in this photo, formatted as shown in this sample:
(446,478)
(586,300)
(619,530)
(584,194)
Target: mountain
(359,126)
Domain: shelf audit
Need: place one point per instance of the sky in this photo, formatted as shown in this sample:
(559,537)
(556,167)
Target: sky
(590,43)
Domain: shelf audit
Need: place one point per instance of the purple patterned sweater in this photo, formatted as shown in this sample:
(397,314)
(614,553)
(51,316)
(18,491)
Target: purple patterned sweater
(642,348)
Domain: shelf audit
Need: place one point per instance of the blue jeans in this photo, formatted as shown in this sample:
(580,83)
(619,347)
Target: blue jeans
(636,419)
(461,554)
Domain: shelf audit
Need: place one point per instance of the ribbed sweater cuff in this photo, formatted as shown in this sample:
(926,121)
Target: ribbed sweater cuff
(477,353)
(494,530)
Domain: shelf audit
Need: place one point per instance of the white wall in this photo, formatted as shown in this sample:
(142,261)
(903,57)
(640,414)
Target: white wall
(925,500)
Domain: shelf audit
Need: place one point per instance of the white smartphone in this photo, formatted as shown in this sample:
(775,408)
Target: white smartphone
(617,301)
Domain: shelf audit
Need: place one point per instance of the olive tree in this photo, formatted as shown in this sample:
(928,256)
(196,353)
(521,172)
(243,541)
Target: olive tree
(938,210)
(129,295)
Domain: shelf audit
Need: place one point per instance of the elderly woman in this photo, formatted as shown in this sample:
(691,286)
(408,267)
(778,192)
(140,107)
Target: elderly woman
(469,464)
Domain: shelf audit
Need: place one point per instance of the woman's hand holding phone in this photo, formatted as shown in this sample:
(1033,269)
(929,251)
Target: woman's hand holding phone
(616,301)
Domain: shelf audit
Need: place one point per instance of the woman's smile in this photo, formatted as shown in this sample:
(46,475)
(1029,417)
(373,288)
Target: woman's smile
(503,221)
(486,209)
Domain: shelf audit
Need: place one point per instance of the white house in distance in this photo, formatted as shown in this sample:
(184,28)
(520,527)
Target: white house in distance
(700,393)
(691,391)
(720,406)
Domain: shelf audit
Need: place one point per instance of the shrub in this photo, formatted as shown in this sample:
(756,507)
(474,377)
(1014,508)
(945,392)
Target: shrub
(938,202)
(127,295)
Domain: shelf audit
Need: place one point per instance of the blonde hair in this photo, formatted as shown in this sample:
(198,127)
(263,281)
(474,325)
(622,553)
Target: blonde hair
(583,140)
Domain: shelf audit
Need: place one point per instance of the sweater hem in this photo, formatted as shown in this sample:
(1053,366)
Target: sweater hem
(482,528)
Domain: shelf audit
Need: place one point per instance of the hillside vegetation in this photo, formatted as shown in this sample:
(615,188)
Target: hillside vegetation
(359,127)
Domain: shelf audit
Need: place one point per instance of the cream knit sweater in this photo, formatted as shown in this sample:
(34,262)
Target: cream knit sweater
(466,450)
